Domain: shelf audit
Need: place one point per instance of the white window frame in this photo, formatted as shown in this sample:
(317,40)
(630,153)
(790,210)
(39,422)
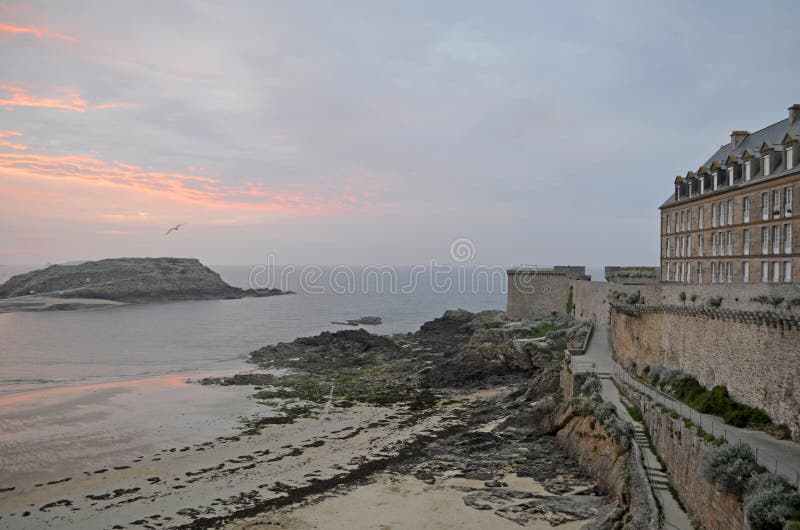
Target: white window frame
(776,239)
(787,201)
(764,272)
(776,271)
(699,272)
(700,245)
(713,272)
(787,271)
(764,205)
(730,211)
(745,272)
(765,165)
(746,242)
(702,185)
(787,238)
(716,181)
(722,213)
(730,243)
(667,276)
(746,210)
(714,215)
(776,203)
(748,174)
(713,243)
(700,222)
(730,176)
(729,266)
(765,240)
(789,157)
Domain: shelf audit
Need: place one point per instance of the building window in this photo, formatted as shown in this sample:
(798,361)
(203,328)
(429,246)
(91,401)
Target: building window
(677,223)
(668,223)
(713,243)
(765,163)
(722,214)
(789,159)
(776,239)
(787,239)
(688,273)
(730,212)
(730,176)
(730,272)
(765,206)
(787,271)
(776,204)
(677,273)
(787,198)
(747,172)
(699,272)
(764,272)
(776,271)
(700,245)
(667,277)
(745,272)
(746,209)
(746,242)
(730,243)
(765,240)
(713,272)
(716,181)
(700,212)
(689,220)
(714,213)
(689,246)
(702,185)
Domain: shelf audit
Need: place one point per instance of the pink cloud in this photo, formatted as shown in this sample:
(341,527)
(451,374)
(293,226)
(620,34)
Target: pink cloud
(189,188)
(72,100)
(39,33)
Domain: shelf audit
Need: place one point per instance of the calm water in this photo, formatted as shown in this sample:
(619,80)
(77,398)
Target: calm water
(39,350)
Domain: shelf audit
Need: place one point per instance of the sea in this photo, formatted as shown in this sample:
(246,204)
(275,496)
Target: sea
(42,350)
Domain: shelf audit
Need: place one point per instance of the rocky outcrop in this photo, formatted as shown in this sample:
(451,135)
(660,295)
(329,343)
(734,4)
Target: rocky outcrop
(128,280)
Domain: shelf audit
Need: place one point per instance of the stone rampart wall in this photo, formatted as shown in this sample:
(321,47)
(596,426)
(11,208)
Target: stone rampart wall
(533,293)
(683,452)
(755,355)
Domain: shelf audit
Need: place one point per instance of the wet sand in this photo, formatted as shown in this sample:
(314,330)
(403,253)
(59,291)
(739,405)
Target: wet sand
(108,456)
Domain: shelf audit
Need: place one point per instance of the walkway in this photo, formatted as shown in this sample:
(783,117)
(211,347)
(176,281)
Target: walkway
(674,515)
(780,456)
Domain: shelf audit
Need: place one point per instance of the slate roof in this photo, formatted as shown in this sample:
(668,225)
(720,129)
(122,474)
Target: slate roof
(772,134)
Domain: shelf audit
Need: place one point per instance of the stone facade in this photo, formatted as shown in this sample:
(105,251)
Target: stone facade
(754,355)
(535,292)
(733,220)
(683,452)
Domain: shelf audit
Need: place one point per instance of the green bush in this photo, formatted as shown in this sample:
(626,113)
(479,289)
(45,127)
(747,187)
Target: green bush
(730,467)
(770,501)
(591,385)
(605,411)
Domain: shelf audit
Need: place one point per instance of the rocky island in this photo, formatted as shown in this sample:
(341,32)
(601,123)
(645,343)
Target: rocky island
(116,281)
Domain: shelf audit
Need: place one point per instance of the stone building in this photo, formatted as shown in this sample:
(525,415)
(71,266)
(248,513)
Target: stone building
(732,220)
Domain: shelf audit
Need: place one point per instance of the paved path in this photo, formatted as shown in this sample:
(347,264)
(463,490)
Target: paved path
(674,516)
(781,456)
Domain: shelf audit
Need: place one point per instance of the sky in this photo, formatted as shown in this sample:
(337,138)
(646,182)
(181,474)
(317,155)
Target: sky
(371,132)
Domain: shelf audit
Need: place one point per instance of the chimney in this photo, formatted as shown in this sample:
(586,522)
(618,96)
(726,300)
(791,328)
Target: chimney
(737,137)
(794,114)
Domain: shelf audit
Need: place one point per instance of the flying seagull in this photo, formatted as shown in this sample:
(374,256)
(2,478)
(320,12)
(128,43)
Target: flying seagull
(176,227)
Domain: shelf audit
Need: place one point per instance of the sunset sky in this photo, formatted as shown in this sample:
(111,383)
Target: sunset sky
(370,132)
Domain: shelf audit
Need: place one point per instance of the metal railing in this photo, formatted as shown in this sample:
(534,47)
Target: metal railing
(711,425)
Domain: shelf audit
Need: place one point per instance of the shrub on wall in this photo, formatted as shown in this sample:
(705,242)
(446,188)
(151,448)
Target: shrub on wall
(730,467)
(770,501)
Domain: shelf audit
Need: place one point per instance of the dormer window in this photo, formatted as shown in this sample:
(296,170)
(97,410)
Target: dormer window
(765,162)
(730,176)
(789,159)
(748,174)
(702,185)
(716,181)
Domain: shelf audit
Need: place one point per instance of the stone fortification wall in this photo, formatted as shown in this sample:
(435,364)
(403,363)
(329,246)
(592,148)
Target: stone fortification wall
(755,355)
(683,452)
(534,293)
